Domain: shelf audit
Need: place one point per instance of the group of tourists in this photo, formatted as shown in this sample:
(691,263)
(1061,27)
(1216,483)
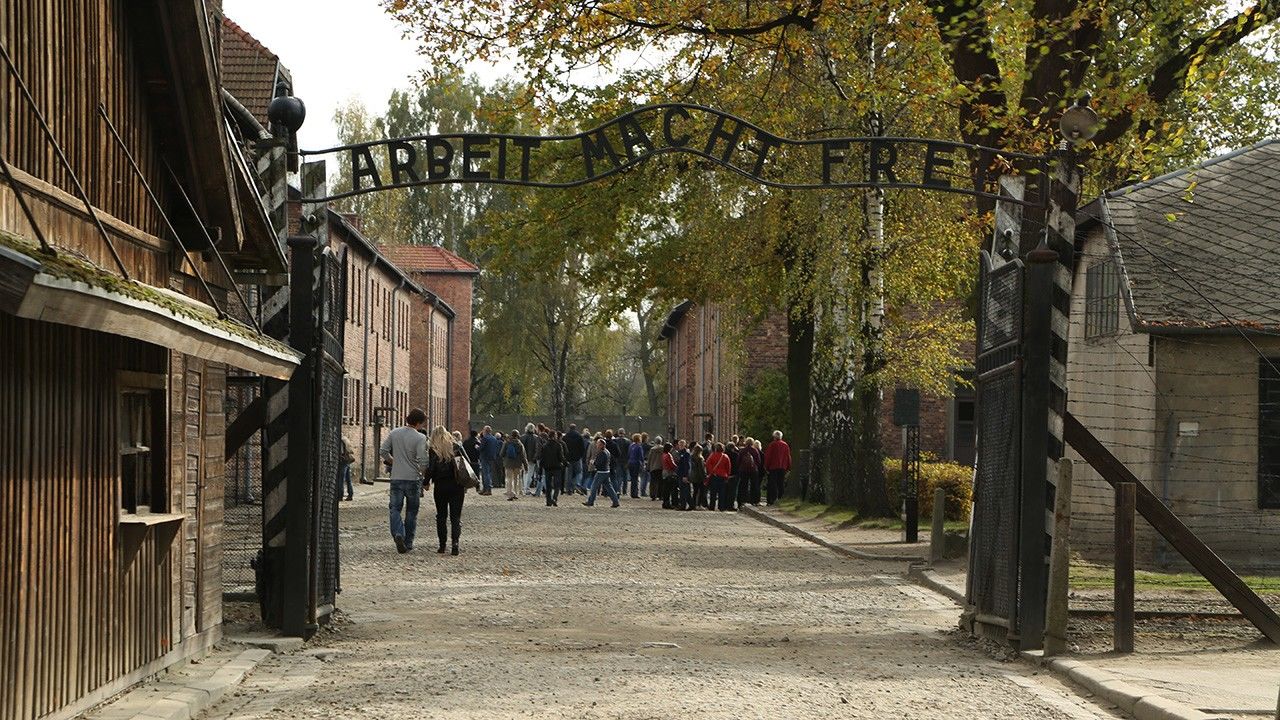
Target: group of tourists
(706,475)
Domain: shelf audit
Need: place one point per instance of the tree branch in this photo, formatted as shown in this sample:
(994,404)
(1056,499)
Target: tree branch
(800,16)
(1171,74)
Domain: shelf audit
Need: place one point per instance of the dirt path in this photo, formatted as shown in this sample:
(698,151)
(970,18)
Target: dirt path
(581,612)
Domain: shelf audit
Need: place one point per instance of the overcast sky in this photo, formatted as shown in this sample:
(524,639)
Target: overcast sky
(336,50)
(343,49)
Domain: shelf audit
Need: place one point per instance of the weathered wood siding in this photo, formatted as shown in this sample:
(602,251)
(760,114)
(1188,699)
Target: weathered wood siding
(73,55)
(81,597)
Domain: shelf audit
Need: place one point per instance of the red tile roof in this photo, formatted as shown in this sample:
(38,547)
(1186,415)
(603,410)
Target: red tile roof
(427,258)
(249,69)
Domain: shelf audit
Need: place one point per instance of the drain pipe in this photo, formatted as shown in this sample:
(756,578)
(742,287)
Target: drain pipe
(366,390)
(395,342)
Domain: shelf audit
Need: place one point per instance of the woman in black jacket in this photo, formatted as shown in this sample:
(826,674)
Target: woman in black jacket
(448,493)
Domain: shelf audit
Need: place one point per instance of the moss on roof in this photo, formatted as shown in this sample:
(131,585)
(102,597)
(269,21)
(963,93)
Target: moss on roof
(70,267)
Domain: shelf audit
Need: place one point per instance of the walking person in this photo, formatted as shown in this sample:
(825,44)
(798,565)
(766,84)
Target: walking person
(575,450)
(669,469)
(684,463)
(471,446)
(749,480)
(777,461)
(531,443)
(348,459)
(622,459)
(553,460)
(635,464)
(719,469)
(654,465)
(588,463)
(406,449)
(734,450)
(747,467)
(514,464)
(697,478)
(446,491)
(645,448)
(490,464)
(601,463)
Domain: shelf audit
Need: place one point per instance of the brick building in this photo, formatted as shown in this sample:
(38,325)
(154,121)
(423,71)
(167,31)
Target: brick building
(704,381)
(704,384)
(451,279)
(397,336)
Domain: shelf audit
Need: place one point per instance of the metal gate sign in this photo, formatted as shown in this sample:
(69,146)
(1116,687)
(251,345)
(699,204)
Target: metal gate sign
(563,161)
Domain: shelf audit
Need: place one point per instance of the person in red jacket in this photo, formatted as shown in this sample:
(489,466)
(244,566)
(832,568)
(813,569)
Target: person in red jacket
(669,469)
(777,461)
(719,467)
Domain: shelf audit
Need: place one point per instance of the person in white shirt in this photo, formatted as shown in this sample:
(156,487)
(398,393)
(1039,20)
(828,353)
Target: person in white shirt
(406,449)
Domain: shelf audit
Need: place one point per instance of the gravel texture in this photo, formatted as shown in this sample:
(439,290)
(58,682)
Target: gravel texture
(575,612)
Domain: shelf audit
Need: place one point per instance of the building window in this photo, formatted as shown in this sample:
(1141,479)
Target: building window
(1102,299)
(1269,433)
(142,437)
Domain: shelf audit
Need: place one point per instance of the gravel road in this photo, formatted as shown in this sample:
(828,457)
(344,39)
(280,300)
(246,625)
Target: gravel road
(576,612)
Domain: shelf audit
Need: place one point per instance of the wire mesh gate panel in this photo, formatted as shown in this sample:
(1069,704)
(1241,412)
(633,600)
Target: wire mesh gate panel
(242,498)
(993,553)
(330,372)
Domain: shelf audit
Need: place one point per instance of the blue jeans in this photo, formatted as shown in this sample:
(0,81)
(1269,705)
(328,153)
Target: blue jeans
(575,477)
(405,493)
(636,471)
(346,480)
(486,474)
(622,478)
(602,481)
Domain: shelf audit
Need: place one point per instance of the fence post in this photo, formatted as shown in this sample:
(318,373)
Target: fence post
(1126,502)
(937,538)
(1055,628)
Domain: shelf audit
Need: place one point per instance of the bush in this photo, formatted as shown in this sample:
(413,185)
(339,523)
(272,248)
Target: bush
(956,479)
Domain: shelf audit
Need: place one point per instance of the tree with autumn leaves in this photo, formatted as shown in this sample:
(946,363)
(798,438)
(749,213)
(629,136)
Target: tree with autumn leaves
(1166,77)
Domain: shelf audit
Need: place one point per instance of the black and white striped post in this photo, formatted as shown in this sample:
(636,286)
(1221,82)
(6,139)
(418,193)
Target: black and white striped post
(1046,313)
(274,316)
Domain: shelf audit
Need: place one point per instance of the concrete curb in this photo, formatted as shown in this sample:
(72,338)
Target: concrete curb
(1141,703)
(925,576)
(183,702)
(819,540)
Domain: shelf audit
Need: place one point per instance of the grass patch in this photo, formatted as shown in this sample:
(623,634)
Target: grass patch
(845,517)
(1086,576)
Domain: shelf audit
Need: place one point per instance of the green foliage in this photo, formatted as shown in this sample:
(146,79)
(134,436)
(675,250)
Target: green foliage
(956,480)
(763,407)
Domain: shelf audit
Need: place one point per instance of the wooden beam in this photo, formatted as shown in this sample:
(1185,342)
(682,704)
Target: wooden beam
(1191,547)
(250,420)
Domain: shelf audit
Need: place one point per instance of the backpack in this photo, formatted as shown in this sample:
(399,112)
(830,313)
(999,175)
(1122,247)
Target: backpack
(746,463)
(512,453)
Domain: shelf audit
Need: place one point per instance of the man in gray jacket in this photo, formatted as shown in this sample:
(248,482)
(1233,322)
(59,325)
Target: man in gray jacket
(406,449)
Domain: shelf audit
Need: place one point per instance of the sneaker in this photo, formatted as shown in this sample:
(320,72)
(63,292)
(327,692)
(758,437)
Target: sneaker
(400,546)
(589,504)
(615,505)
(455,550)
(441,549)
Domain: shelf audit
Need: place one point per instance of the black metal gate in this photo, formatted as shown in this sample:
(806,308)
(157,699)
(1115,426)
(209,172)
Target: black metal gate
(993,583)
(328,386)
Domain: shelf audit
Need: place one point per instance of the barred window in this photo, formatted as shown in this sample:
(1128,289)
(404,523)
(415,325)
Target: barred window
(1102,299)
